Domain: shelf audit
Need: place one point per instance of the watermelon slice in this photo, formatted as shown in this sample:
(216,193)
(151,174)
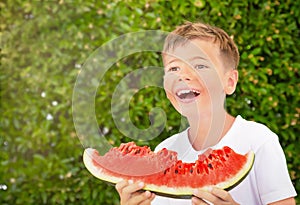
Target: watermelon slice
(163,174)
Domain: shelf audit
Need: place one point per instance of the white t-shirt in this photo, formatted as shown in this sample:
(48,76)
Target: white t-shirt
(267,182)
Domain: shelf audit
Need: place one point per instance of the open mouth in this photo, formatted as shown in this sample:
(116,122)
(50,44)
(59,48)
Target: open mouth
(187,94)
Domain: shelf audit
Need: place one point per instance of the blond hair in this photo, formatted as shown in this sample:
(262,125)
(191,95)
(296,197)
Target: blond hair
(190,31)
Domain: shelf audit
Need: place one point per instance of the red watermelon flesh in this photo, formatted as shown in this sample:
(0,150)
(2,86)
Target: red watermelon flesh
(222,168)
(132,160)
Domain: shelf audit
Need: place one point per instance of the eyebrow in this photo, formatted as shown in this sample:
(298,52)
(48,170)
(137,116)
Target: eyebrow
(190,59)
(174,60)
(197,58)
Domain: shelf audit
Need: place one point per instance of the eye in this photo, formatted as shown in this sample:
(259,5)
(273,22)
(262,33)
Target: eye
(200,66)
(172,69)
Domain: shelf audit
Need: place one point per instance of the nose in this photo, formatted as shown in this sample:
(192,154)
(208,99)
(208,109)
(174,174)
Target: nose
(185,75)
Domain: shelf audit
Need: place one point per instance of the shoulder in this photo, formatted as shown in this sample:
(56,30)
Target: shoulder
(245,134)
(255,129)
(253,126)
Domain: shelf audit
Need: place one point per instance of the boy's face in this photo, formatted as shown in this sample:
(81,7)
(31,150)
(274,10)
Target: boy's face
(196,80)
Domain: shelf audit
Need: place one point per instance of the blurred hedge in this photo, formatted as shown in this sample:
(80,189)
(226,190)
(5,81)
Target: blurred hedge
(45,43)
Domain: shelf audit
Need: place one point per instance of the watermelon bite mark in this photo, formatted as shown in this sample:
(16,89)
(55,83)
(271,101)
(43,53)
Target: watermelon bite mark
(164,174)
(134,161)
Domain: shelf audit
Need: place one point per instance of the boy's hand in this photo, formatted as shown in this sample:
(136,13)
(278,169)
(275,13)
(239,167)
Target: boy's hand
(129,194)
(215,196)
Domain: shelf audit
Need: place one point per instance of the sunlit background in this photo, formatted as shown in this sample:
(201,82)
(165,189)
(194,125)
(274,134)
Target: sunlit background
(44,45)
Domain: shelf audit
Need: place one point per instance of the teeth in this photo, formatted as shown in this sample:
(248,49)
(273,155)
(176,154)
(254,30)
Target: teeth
(196,91)
(181,92)
(187,94)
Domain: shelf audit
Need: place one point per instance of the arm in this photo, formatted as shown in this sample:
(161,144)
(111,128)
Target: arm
(288,201)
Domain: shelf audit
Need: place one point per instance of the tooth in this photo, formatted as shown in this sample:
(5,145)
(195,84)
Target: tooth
(183,92)
(195,91)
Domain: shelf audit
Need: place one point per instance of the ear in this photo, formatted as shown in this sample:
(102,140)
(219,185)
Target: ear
(231,80)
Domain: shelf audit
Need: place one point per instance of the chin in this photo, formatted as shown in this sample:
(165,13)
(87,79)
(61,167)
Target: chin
(190,110)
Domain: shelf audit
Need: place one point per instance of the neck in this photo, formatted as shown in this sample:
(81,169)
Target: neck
(207,129)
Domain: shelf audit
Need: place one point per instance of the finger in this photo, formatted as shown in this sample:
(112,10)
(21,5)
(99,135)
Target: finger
(148,201)
(132,187)
(140,198)
(198,201)
(152,196)
(205,195)
(127,188)
(222,194)
(120,185)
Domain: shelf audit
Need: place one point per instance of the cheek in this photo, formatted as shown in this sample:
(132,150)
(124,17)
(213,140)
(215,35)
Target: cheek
(168,82)
(168,89)
(212,84)
(173,101)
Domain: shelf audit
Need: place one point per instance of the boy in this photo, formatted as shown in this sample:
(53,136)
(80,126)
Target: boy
(200,70)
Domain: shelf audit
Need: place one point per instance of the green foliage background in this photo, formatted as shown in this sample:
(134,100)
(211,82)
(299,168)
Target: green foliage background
(45,43)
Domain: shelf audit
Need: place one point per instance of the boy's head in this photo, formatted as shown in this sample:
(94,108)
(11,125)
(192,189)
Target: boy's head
(200,63)
(190,31)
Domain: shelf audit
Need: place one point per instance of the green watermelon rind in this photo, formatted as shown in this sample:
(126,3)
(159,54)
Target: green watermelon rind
(178,192)
(244,174)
